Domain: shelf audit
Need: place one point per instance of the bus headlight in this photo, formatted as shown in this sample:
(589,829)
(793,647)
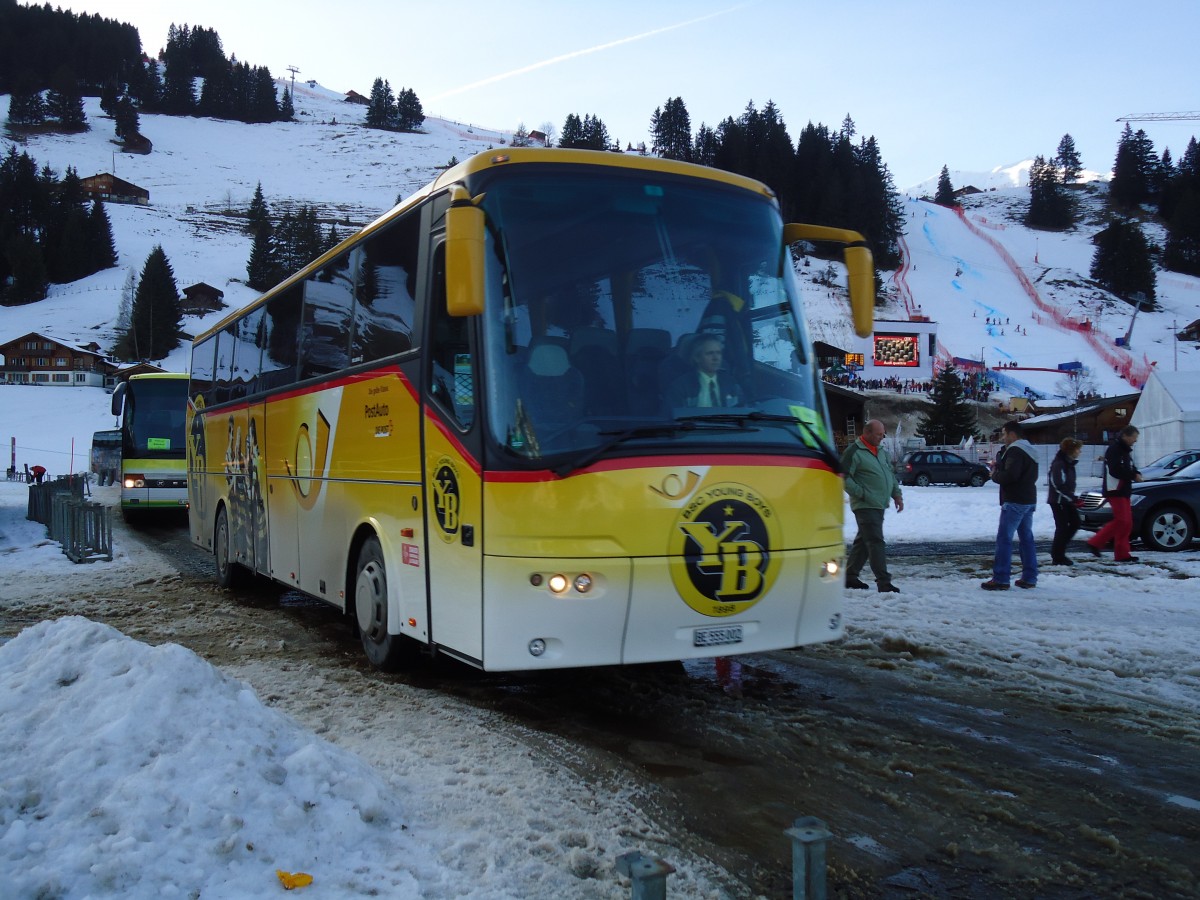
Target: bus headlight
(537,647)
(830,568)
(583,583)
(557,583)
(135,481)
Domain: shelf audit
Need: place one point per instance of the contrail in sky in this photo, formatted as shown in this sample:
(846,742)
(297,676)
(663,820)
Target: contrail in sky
(575,53)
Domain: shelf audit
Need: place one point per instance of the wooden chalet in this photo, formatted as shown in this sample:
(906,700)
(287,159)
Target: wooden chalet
(37,358)
(201,298)
(1094,421)
(356,97)
(111,189)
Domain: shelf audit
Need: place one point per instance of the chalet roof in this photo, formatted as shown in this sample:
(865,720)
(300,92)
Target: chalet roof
(1083,408)
(38,335)
(204,288)
(120,185)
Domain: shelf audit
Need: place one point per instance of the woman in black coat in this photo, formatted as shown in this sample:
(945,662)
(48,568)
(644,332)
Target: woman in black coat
(1062,499)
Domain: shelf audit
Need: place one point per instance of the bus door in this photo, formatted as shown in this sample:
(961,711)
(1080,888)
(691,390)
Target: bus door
(453,482)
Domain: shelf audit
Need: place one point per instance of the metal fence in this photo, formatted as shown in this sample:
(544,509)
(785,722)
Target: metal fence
(84,529)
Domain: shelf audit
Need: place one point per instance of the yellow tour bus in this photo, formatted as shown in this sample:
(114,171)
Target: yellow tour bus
(151,410)
(557,408)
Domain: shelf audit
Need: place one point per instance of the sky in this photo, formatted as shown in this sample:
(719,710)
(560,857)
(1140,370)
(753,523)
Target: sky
(938,82)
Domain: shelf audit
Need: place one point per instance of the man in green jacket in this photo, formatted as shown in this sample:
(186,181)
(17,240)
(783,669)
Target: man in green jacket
(871,483)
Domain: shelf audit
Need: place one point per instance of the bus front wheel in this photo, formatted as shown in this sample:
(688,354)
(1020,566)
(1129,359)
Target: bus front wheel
(227,570)
(384,650)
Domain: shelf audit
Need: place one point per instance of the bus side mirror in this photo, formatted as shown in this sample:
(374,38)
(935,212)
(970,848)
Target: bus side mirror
(860,266)
(464,255)
(118,398)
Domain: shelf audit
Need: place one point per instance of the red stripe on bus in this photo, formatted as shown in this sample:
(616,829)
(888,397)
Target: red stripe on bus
(658,462)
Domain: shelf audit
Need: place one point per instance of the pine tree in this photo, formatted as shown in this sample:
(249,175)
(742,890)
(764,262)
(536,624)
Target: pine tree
(704,151)
(102,250)
(155,317)
(1067,160)
(261,268)
(287,111)
(1123,263)
(109,94)
(127,120)
(64,102)
(25,106)
(1137,171)
(671,131)
(264,104)
(520,137)
(259,215)
(409,113)
(179,90)
(945,190)
(1049,204)
(381,110)
(572,132)
(27,267)
(952,418)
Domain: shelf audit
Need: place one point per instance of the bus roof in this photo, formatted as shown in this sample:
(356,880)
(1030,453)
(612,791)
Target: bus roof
(507,157)
(149,376)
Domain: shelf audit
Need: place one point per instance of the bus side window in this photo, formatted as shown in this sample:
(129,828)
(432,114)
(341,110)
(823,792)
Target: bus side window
(385,291)
(223,377)
(452,364)
(279,338)
(325,333)
(202,372)
(247,358)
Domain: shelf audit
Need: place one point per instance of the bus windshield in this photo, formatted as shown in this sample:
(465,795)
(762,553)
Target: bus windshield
(153,424)
(630,308)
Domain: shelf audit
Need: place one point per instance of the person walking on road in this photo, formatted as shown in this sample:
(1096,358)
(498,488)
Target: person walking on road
(1119,475)
(871,483)
(1016,471)
(1062,500)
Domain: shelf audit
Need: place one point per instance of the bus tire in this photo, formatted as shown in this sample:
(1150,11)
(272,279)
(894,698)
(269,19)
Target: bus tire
(228,572)
(384,651)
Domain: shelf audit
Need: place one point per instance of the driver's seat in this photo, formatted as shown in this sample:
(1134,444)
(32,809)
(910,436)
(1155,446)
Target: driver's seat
(551,389)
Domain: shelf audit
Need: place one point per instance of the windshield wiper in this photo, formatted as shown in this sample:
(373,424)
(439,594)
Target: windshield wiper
(615,438)
(757,416)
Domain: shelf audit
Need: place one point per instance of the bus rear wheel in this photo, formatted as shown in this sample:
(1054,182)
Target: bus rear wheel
(228,572)
(384,651)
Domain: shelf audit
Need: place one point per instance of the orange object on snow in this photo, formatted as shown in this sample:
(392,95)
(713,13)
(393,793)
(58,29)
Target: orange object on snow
(290,881)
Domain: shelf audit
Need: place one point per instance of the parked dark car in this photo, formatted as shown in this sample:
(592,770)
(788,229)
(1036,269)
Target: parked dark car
(1165,510)
(924,467)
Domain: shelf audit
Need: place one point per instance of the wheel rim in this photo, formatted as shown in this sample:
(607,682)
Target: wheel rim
(923,480)
(370,601)
(1169,530)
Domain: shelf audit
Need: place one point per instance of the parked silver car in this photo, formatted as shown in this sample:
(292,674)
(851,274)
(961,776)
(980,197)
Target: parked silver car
(1170,463)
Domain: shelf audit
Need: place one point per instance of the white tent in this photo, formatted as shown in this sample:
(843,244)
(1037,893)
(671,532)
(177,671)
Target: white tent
(1167,414)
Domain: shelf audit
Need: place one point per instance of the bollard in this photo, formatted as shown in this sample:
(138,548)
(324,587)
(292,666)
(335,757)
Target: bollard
(648,873)
(809,837)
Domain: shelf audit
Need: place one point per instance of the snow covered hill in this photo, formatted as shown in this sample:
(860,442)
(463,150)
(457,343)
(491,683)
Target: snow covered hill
(961,271)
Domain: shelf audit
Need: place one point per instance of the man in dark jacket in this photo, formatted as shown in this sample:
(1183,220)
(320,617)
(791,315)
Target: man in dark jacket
(1119,475)
(1016,471)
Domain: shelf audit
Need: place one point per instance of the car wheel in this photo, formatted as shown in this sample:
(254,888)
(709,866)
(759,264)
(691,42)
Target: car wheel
(1168,528)
(922,480)
(370,604)
(977,479)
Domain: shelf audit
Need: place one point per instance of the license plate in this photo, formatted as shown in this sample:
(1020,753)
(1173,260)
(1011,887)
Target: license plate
(714,637)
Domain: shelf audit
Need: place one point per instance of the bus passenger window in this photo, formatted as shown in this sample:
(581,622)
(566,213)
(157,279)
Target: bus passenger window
(385,291)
